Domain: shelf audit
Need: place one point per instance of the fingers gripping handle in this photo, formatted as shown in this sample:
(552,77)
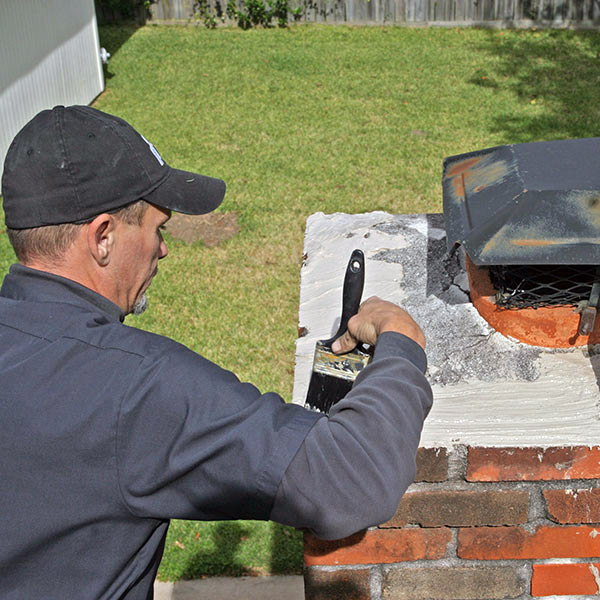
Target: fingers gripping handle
(354,281)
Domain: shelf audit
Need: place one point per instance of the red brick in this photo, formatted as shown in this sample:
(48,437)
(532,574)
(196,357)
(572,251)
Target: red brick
(341,584)
(573,506)
(565,580)
(460,508)
(432,465)
(531,464)
(453,583)
(378,546)
(497,543)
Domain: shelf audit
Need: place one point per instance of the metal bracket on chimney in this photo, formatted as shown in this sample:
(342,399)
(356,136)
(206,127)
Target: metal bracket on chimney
(588,314)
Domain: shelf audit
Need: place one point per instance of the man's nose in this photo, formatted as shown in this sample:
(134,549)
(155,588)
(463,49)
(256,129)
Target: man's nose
(162,249)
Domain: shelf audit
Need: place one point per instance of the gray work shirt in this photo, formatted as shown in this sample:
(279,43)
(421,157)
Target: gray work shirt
(109,431)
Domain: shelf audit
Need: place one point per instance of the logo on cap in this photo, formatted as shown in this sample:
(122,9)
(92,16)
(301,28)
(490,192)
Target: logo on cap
(154,151)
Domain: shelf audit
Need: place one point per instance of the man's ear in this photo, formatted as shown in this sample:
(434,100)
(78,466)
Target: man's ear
(101,238)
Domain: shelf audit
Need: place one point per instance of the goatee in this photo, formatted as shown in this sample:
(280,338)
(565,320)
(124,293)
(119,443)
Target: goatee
(140,306)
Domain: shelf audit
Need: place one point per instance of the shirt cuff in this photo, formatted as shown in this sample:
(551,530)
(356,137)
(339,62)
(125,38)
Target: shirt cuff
(391,343)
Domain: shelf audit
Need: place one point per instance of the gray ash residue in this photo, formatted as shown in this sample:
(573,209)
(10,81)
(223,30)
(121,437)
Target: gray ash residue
(391,228)
(460,343)
(390,256)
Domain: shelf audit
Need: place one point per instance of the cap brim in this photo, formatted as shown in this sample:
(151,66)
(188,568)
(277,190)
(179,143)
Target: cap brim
(189,193)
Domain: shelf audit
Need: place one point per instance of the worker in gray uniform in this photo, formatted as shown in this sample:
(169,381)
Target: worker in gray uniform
(107,431)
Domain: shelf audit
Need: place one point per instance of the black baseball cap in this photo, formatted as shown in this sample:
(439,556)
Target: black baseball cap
(72,163)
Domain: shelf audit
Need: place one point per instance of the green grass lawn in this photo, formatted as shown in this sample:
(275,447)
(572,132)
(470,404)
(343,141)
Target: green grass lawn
(307,119)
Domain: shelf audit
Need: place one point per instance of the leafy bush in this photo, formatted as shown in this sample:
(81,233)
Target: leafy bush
(252,13)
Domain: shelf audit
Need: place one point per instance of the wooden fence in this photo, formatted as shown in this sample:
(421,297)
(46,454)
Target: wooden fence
(509,13)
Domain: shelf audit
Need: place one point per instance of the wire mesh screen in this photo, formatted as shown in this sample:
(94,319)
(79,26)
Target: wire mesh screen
(533,286)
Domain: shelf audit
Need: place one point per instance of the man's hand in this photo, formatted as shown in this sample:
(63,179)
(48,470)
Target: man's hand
(374,317)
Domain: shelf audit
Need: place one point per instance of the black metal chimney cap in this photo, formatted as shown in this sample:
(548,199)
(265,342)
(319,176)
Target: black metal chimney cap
(535,203)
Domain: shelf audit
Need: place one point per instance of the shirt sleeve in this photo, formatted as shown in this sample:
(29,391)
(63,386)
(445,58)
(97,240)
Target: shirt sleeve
(353,468)
(193,442)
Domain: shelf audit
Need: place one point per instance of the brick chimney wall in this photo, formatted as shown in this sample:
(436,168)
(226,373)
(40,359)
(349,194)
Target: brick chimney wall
(478,523)
(506,502)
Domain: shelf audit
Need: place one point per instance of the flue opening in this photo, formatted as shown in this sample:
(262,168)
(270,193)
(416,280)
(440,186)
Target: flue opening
(544,310)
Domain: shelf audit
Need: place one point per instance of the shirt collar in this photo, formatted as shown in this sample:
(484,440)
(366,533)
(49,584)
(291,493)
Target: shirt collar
(25,283)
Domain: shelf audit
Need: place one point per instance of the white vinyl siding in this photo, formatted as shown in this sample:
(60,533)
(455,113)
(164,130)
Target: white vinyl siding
(49,55)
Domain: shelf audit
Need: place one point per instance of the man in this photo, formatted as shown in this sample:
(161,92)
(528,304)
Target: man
(109,431)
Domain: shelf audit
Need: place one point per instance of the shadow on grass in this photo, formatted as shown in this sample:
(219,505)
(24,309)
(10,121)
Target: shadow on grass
(226,559)
(556,74)
(222,561)
(112,37)
(286,551)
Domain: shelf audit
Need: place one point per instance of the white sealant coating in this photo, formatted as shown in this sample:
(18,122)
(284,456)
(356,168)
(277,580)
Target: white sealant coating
(488,390)
(596,574)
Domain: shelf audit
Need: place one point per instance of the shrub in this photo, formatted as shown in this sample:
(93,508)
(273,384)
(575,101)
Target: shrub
(252,13)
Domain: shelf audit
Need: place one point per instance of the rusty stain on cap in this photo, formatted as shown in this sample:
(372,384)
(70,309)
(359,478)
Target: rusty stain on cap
(535,203)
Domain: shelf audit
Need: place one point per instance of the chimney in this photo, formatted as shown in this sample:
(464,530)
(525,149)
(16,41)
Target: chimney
(506,501)
(528,217)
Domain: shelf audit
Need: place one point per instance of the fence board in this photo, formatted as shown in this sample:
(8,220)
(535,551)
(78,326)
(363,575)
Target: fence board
(172,10)
(507,12)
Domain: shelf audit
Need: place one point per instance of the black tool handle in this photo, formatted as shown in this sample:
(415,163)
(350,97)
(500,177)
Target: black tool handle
(354,281)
